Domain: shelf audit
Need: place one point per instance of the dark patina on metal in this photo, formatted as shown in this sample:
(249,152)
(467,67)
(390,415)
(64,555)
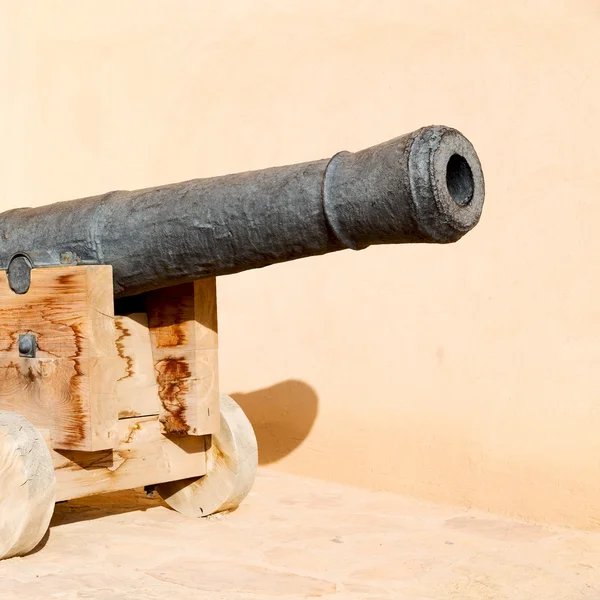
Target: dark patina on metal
(424,187)
(27,345)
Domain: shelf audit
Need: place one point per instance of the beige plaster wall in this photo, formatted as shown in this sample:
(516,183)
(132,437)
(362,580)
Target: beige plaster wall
(467,374)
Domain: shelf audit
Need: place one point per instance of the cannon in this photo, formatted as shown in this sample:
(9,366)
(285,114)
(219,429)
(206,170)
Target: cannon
(108,316)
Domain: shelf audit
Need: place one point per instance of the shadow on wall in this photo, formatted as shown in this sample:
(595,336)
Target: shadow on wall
(282,416)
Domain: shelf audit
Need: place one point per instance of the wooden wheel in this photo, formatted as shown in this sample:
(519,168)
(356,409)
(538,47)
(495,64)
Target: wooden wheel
(27,486)
(231,468)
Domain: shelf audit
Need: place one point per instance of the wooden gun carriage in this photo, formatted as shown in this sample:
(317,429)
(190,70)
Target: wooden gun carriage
(108,316)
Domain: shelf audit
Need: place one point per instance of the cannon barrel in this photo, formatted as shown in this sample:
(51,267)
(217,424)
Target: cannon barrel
(423,187)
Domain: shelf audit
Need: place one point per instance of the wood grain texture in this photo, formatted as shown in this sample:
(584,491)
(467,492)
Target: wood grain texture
(69,388)
(137,389)
(27,486)
(184,337)
(144,456)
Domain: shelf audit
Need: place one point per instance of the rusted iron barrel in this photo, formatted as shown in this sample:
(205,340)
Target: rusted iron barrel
(423,187)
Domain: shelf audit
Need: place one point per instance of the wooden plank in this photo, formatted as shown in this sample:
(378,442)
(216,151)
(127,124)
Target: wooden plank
(184,337)
(144,457)
(69,388)
(137,390)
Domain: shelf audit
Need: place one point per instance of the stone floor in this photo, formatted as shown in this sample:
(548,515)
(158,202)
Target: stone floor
(297,538)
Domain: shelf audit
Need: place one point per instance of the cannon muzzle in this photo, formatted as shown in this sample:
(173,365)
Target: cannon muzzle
(424,187)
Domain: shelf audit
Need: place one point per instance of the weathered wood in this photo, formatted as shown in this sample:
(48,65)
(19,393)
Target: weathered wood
(27,486)
(137,390)
(69,387)
(232,460)
(144,456)
(184,336)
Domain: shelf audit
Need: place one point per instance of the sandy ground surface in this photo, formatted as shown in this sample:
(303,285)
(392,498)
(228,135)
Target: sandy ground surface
(298,538)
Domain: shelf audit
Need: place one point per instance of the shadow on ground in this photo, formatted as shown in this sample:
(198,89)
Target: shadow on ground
(103,505)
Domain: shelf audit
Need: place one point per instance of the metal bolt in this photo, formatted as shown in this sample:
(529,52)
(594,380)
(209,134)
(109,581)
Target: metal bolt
(27,345)
(150,491)
(19,274)
(68,258)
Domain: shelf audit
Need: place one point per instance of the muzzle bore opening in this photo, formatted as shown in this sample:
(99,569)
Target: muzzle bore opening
(459,180)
